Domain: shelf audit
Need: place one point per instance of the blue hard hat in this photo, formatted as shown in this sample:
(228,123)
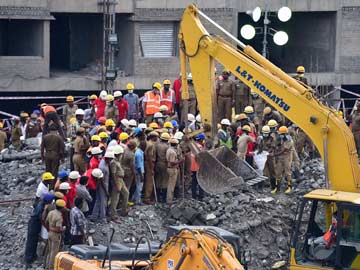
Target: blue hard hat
(137,130)
(200,136)
(62,174)
(36,111)
(174,123)
(48,197)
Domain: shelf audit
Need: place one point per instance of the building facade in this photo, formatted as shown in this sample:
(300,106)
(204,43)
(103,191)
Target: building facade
(54,45)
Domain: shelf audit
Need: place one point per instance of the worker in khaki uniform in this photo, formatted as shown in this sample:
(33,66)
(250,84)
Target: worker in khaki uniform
(128,164)
(150,158)
(225,91)
(269,114)
(118,185)
(111,110)
(185,167)
(243,140)
(52,150)
(3,137)
(258,104)
(192,104)
(69,112)
(300,75)
(173,162)
(242,96)
(54,221)
(16,133)
(81,144)
(161,174)
(356,128)
(283,159)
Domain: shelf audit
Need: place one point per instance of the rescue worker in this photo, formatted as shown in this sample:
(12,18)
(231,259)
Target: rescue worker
(191,102)
(71,195)
(258,104)
(133,102)
(224,135)
(81,144)
(33,127)
(243,140)
(300,75)
(283,159)
(242,96)
(254,121)
(54,222)
(173,161)
(150,159)
(273,124)
(139,171)
(43,188)
(52,150)
(16,133)
(96,155)
(110,126)
(78,230)
(90,111)
(79,115)
(100,104)
(185,167)
(167,97)
(159,119)
(119,189)
(128,164)
(225,92)
(161,174)
(269,114)
(68,112)
(151,102)
(3,137)
(111,110)
(51,115)
(121,104)
(24,116)
(356,128)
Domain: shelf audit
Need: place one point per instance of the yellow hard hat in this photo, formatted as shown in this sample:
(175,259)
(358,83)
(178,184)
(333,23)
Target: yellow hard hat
(267,110)
(153,125)
(93,97)
(355,108)
(272,123)
(168,125)
(167,82)
(69,98)
(165,136)
(340,113)
(1,124)
(103,135)
(163,108)
(153,134)
(247,128)
(240,116)
(95,138)
(130,86)
(173,140)
(109,98)
(300,69)
(24,114)
(72,120)
(265,129)
(109,123)
(123,136)
(47,176)
(60,203)
(283,130)
(157,85)
(249,109)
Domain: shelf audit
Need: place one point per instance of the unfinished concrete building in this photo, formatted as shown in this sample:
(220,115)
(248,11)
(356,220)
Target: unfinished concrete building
(57,44)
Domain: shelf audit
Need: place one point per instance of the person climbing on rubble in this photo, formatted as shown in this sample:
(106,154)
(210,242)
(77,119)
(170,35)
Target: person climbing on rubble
(16,134)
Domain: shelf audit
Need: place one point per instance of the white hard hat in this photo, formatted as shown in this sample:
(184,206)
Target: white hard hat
(118,149)
(109,154)
(225,122)
(79,112)
(64,186)
(198,118)
(74,175)
(132,123)
(189,77)
(103,94)
(96,151)
(97,173)
(117,94)
(142,126)
(179,135)
(125,122)
(190,117)
(158,115)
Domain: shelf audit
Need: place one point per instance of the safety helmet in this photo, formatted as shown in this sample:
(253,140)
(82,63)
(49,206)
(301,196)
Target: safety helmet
(93,97)
(117,94)
(179,135)
(153,134)
(58,195)
(200,136)
(43,105)
(64,186)
(355,108)
(253,93)
(225,122)
(60,203)
(198,118)
(79,112)
(24,114)
(190,117)
(283,130)
(123,136)
(340,113)
(1,124)
(125,122)
(153,125)
(300,69)
(174,123)
(267,110)
(249,109)
(97,173)
(102,120)
(103,94)
(109,123)
(189,77)
(174,141)
(137,130)
(72,120)
(240,116)
(69,98)
(163,108)
(130,86)
(95,138)
(165,136)
(109,154)
(272,123)
(158,115)
(118,150)
(47,176)
(109,98)
(247,128)
(157,85)
(132,123)
(167,82)
(96,151)
(168,125)
(142,125)
(103,135)
(74,175)
(265,129)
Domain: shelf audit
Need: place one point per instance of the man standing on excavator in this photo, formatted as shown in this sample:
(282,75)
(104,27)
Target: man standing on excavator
(300,75)
(225,92)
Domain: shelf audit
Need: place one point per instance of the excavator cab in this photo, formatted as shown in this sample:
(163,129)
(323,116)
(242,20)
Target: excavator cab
(327,232)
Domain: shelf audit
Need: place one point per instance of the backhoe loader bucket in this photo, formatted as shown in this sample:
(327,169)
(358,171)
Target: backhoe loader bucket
(221,170)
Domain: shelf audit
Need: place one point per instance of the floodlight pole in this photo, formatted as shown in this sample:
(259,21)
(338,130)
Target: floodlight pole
(265,42)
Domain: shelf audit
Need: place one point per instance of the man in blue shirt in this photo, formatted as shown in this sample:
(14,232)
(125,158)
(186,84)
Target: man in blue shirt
(139,171)
(133,101)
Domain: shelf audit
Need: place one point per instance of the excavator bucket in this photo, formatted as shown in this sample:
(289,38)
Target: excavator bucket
(221,170)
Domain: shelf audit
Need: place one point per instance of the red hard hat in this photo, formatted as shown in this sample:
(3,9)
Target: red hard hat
(102,120)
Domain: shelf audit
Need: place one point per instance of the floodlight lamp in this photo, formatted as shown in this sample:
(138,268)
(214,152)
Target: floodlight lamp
(281,38)
(247,31)
(284,14)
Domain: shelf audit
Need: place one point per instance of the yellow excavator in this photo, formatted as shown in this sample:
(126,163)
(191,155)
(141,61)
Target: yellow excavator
(334,211)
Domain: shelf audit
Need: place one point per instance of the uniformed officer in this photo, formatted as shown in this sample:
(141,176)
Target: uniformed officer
(3,137)
(173,162)
(225,91)
(128,164)
(150,158)
(242,96)
(243,140)
(16,133)
(192,104)
(269,114)
(356,128)
(81,144)
(161,174)
(258,104)
(69,112)
(111,110)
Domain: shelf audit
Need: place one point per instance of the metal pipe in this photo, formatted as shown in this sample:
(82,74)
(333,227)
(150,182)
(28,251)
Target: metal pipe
(326,161)
(266,22)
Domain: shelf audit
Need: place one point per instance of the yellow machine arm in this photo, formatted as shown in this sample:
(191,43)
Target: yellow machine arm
(326,129)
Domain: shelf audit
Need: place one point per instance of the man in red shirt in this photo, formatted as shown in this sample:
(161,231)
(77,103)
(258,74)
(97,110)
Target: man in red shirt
(96,153)
(100,104)
(177,88)
(71,195)
(122,105)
